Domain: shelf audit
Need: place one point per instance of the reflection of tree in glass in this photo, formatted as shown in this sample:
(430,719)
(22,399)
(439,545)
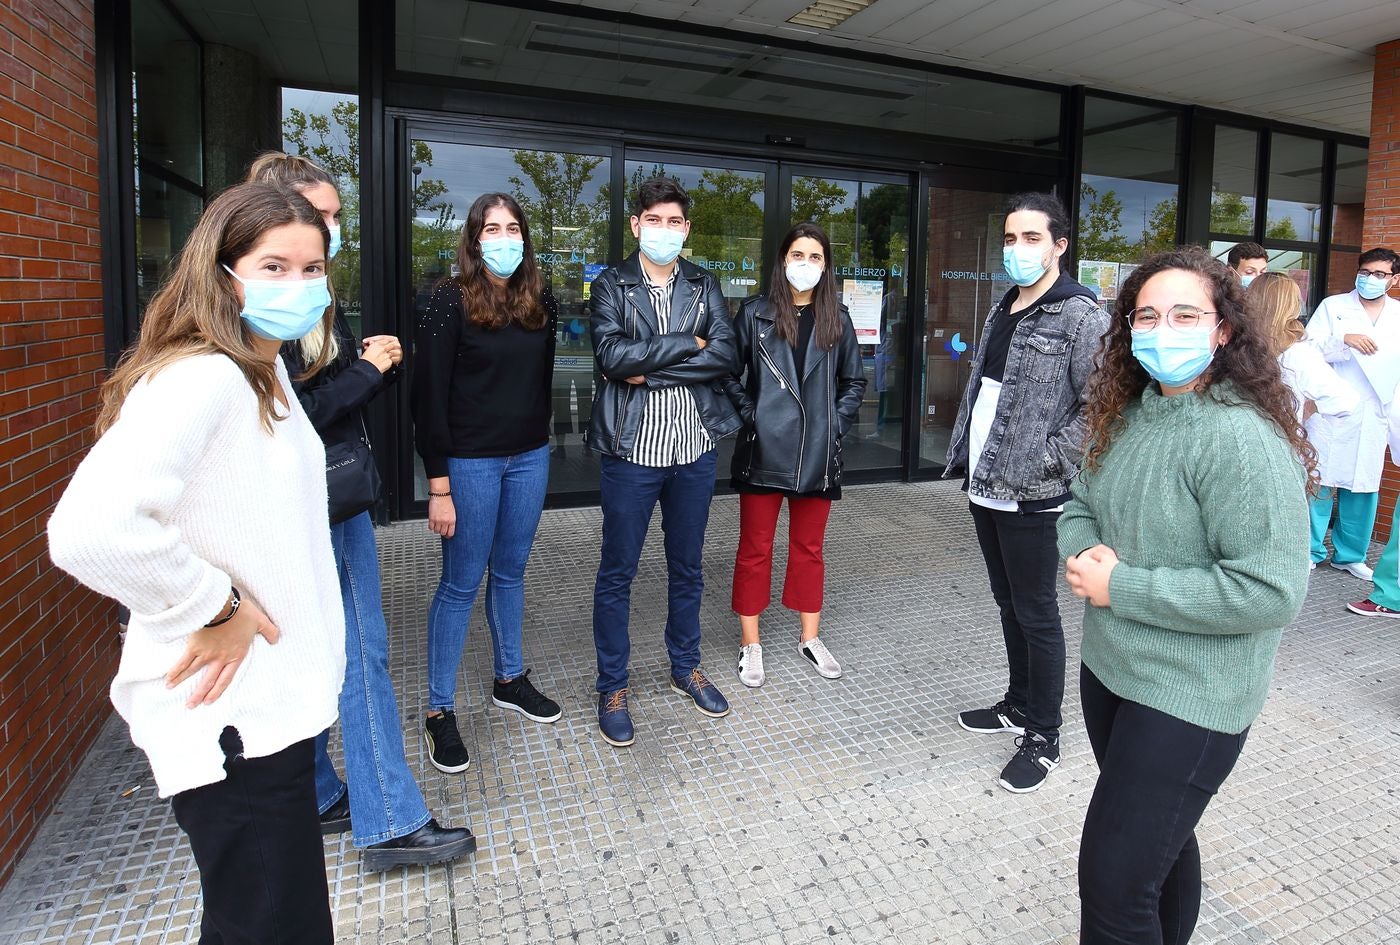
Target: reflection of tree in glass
(724,212)
(552,193)
(333,141)
(1101,225)
(884,222)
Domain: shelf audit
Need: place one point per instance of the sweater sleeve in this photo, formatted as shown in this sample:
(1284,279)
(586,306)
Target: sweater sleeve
(110,529)
(1078,527)
(1250,489)
(435,339)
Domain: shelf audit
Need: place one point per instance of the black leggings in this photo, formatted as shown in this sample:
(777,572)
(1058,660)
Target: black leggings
(1139,865)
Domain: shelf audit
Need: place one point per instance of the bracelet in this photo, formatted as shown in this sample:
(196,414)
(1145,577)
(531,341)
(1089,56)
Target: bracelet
(440,495)
(234,600)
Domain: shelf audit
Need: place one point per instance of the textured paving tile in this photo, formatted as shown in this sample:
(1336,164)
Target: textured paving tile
(849,811)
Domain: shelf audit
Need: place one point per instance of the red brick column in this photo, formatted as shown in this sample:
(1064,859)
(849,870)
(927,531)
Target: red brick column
(57,641)
(1382,224)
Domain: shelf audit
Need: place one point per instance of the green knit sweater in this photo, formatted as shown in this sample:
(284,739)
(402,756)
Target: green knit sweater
(1203,501)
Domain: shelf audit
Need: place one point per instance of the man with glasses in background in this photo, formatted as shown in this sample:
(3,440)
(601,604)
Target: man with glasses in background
(1358,332)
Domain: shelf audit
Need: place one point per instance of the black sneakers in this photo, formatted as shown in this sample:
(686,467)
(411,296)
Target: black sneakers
(1002,717)
(445,748)
(521,695)
(1036,756)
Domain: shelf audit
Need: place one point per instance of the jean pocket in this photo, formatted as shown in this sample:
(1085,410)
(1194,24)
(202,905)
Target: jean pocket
(1045,355)
(1219,753)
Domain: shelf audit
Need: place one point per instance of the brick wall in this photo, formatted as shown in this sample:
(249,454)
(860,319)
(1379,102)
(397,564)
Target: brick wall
(57,641)
(1382,223)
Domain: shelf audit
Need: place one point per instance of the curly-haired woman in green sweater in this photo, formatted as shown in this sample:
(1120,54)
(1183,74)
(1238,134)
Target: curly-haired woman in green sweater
(1187,535)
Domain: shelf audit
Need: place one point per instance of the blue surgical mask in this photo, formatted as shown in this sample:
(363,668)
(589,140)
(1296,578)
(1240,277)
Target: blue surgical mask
(1371,287)
(1246,280)
(503,255)
(283,309)
(1024,264)
(335,240)
(661,244)
(1174,358)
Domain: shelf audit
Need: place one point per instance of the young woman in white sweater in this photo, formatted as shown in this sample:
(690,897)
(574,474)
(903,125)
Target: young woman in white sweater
(202,508)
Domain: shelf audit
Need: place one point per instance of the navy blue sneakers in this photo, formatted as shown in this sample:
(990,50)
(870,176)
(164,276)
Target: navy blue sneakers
(614,721)
(702,692)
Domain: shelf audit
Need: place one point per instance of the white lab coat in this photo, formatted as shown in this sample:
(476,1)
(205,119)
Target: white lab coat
(1351,449)
(1310,377)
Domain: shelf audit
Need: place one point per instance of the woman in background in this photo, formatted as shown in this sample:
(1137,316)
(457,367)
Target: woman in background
(385,812)
(484,364)
(798,389)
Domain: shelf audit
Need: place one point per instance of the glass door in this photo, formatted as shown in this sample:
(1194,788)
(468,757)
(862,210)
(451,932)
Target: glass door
(867,216)
(965,279)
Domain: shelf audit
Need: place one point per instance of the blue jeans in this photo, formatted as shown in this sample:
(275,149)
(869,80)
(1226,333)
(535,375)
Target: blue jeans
(629,493)
(385,801)
(498,500)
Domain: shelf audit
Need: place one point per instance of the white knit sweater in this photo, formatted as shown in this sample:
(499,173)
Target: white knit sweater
(183,495)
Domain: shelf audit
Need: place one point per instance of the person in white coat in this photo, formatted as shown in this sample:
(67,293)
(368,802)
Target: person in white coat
(1384,599)
(1276,301)
(1358,333)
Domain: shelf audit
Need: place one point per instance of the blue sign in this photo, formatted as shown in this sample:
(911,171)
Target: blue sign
(955,346)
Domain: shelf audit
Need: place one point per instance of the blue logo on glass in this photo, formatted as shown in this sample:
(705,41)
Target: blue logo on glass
(955,346)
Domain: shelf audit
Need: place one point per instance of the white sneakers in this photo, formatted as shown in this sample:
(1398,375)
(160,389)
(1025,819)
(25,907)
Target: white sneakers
(813,650)
(1356,569)
(751,665)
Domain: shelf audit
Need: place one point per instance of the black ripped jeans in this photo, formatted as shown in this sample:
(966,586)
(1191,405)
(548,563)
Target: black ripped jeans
(1139,865)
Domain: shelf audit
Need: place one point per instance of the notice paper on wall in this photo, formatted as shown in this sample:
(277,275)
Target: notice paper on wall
(863,297)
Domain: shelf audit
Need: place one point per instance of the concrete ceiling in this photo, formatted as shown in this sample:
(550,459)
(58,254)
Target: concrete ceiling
(1303,61)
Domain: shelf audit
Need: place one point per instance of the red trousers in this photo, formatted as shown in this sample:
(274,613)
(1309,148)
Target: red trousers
(753,562)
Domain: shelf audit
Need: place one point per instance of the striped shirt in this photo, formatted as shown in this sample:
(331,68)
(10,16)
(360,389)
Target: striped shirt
(670,433)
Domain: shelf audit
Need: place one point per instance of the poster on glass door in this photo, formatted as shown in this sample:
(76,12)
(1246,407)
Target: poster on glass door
(863,298)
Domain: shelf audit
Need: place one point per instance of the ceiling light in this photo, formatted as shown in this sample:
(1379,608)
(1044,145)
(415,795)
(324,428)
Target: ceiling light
(825,14)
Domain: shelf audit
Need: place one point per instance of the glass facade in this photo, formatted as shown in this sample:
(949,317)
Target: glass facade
(568,108)
(1128,190)
(167,106)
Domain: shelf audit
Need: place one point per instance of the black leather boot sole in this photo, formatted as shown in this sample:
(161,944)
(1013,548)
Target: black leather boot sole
(430,843)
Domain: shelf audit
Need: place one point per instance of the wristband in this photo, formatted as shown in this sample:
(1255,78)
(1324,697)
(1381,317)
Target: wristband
(234,600)
(440,495)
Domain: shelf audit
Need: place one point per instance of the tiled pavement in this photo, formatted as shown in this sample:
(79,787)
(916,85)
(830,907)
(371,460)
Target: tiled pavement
(848,811)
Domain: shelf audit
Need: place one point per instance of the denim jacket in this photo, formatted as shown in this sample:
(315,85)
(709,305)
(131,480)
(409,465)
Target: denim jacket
(1038,438)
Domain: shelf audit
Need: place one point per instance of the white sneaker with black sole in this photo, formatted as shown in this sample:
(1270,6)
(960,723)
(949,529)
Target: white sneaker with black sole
(751,665)
(816,653)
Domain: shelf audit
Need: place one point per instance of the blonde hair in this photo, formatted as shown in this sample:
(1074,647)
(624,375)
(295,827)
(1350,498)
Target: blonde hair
(197,309)
(1275,301)
(300,173)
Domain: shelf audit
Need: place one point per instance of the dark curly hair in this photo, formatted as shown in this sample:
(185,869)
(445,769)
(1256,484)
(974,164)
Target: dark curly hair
(1248,361)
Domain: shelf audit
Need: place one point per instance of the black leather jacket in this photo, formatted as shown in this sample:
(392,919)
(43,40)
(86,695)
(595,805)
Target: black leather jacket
(335,398)
(626,344)
(792,431)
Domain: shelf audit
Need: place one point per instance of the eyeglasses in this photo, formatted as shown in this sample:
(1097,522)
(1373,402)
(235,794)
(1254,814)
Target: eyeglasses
(1179,317)
(1373,274)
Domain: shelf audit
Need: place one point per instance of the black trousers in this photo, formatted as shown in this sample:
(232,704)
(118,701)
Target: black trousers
(257,839)
(1139,864)
(1023,566)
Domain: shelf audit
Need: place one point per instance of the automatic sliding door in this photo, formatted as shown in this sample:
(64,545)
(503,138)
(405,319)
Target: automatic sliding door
(867,218)
(564,193)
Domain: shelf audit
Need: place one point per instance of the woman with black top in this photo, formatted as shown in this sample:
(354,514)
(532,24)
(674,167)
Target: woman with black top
(484,362)
(798,391)
(335,377)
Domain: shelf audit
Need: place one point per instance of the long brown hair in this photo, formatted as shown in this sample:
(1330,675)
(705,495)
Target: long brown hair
(1275,301)
(487,304)
(197,309)
(1249,361)
(301,174)
(826,308)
